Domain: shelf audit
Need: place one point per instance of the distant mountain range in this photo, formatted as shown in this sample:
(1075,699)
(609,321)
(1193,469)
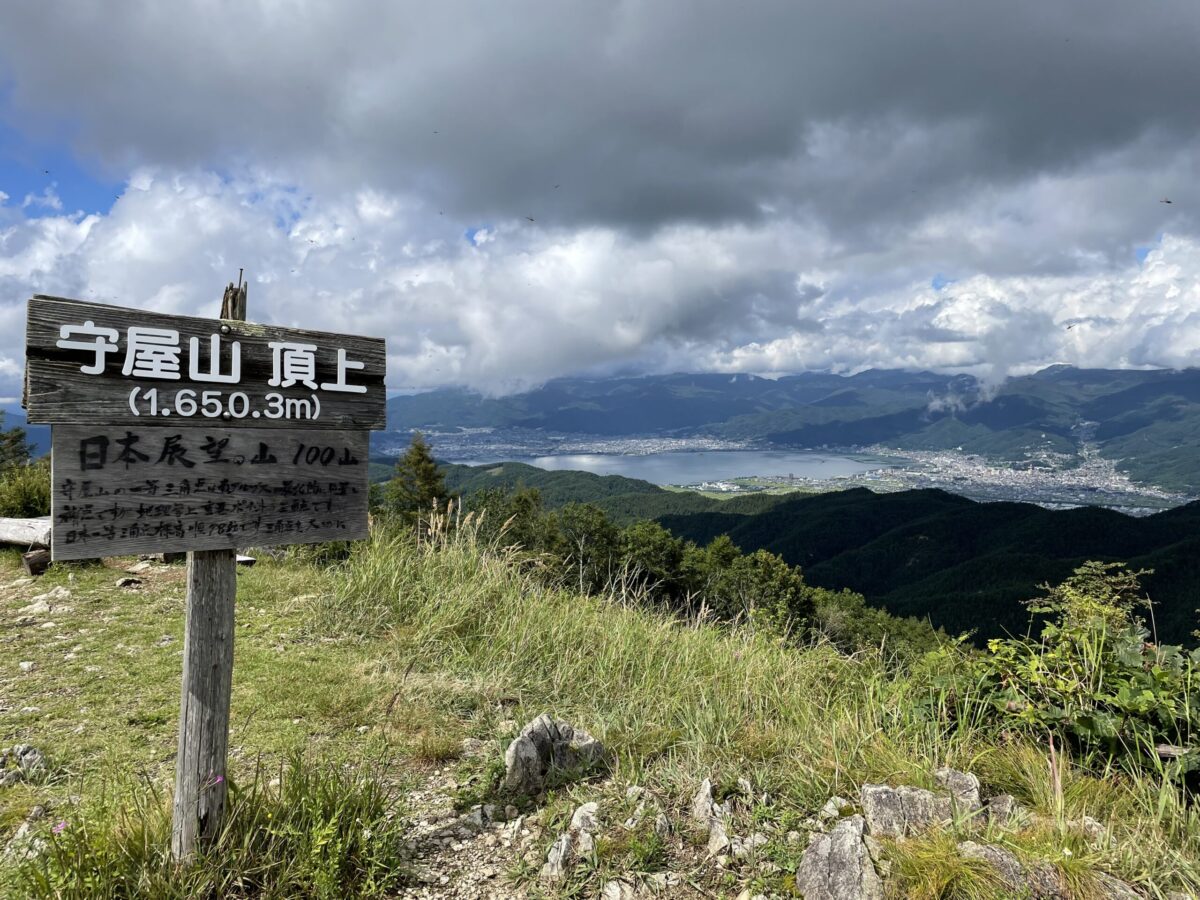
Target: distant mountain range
(1148,421)
(964,565)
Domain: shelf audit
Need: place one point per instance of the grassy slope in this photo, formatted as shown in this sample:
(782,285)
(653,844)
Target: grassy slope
(427,646)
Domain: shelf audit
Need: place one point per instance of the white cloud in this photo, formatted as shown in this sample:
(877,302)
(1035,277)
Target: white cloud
(532,303)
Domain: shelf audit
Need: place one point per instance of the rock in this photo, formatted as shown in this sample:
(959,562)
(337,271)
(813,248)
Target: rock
(883,810)
(660,881)
(27,666)
(1038,880)
(52,596)
(129,582)
(544,746)
(1113,888)
(1097,832)
(24,845)
(1007,866)
(837,865)
(37,608)
(743,847)
(703,807)
(718,836)
(1005,811)
(586,818)
(832,810)
(617,889)
(30,760)
(963,788)
(899,812)
(576,841)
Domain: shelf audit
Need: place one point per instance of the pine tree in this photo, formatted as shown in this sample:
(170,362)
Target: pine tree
(417,484)
(14,446)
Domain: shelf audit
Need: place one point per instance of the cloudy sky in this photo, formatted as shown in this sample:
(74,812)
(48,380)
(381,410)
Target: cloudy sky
(513,191)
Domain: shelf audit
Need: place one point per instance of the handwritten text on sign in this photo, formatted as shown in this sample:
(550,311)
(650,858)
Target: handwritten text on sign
(153,488)
(89,362)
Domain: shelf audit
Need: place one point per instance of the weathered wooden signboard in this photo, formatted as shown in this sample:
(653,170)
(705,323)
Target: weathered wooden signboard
(86,362)
(129,489)
(176,433)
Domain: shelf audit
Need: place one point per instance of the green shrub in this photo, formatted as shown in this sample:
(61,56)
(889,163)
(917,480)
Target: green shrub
(324,832)
(1094,676)
(25,490)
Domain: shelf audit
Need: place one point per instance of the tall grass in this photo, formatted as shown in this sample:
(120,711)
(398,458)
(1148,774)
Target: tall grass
(319,832)
(678,700)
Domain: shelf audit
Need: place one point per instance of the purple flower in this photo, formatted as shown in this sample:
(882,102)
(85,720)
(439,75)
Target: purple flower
(218,779)
(60,827)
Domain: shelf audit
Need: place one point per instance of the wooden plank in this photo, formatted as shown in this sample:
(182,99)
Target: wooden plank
(155,489)
(200,786)
(160,382)
(26,532)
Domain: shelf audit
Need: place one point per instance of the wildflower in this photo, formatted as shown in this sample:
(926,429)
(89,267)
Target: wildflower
(60,827)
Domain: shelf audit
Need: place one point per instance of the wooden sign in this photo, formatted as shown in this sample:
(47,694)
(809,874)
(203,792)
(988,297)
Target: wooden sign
(149,488)
(176,433)
(87,362)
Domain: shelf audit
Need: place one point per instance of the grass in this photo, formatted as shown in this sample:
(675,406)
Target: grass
(425,645)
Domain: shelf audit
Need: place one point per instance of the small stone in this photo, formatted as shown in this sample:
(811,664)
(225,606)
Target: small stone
(743,847)
(617,889)
(37,608)
(129,582)
(511,812)
(702,804)
(718,837)
(363,729)
(27,666)
(962,786)
(1005,811)
(832,809)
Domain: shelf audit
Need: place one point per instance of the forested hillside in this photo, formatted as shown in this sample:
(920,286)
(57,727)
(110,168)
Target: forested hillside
(964,565)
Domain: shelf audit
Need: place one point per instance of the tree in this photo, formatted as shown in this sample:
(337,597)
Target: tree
(418,484)
(14,446)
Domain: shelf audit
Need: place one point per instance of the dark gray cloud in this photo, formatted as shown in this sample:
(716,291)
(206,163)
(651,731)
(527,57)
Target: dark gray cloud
(762,186)
(643,113)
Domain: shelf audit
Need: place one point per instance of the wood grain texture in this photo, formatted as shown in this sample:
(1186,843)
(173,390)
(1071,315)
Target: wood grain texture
(200,787)
(200,784)
(36,562)
(56,391)
(155,489)
(26,532)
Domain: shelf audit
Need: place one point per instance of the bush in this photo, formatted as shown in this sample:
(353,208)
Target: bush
(1093,677)
(324,832)
(25,490)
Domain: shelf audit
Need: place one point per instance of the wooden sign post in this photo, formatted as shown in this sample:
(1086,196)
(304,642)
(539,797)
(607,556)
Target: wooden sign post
(268,445)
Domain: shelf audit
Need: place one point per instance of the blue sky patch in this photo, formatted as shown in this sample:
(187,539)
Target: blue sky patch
(28,168)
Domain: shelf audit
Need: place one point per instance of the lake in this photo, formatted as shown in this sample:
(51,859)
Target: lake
(692,467)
